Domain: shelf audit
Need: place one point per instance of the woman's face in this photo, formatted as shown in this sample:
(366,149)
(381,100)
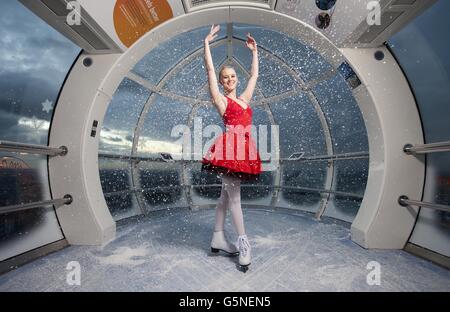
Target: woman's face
(228,79)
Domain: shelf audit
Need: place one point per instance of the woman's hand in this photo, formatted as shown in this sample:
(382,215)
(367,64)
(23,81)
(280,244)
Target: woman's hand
(251,43)
(212,33)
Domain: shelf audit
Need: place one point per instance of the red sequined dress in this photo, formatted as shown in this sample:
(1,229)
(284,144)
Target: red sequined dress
(234,152)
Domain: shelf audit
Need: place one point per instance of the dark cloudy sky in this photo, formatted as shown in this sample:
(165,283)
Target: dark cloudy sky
(423,49)
(34,60)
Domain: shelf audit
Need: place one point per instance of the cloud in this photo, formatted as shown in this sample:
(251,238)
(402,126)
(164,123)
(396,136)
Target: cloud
(29,45)
(34,61)
(23,95)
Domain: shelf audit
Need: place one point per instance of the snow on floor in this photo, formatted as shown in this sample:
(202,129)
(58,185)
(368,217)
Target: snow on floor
(169,251)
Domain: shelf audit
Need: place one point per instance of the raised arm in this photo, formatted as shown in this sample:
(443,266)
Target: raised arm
(212,79)
(251,85)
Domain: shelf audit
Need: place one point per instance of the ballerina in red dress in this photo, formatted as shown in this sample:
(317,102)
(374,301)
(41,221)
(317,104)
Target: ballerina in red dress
(234,154)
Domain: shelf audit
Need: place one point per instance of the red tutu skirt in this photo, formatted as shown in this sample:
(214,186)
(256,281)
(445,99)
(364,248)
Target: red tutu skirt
(233,154)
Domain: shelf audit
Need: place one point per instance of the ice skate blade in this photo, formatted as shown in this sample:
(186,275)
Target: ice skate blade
(243,268)
(215,250)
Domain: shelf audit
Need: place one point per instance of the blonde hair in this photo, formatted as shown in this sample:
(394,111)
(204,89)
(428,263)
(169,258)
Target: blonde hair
(223,68)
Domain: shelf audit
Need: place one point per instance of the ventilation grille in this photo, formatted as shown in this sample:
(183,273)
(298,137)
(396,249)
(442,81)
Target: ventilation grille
(59,7)
(395,14)
(387,18)
(88,35)
(404,2)
(196,4)
(91,37)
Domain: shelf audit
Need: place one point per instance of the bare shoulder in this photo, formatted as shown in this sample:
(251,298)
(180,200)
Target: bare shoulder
(220,102)
(244,99)
(223,100)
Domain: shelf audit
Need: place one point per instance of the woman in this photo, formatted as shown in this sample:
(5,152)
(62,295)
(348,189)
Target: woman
(237,115)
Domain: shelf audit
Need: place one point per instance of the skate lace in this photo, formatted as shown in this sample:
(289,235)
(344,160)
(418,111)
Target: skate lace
(244,245)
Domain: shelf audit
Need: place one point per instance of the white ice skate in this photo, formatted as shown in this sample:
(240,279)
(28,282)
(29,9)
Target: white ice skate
(219,242)
(244,252)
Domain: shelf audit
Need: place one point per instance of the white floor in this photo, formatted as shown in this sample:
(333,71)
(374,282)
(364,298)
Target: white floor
(169,251)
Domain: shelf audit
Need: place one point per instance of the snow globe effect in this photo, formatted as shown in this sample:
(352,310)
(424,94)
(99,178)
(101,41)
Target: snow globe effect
(303,109)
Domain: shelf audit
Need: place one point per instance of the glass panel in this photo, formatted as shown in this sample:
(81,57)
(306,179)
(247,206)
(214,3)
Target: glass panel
(155,137)
(260,195)
(116,181)
(422,49)
(262,123)
(189,80)
(242,82)
(343,207)
(304,59)
(122,205)
(300,127)
(166,55)
(273,79)
(432,229)
(24,179)
(116,136)
(204,93)
(161,184)
(211,183)
(343,115)
(350,176)
(302,174)
(34,61)
(311,174)
(422,52)
(203,195)
(243,55)
(209,116)
(299,199)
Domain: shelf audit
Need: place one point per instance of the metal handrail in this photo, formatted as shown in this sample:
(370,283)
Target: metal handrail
(16,147)
(66,200)
(427,148)
(295,188)
(345,156)
(293,157)
(405,201)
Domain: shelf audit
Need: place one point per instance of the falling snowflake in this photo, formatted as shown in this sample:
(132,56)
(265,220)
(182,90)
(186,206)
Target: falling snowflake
(47,106)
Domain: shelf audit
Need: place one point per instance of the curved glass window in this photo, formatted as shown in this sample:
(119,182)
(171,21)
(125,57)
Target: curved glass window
(34,61)
(155,65)
(343,116)
(300,57)
(349,183)
(302,182)
(422,49)
(300,127)
(189,80)
(273,77)
(316,117)
(117,132)
(155,137)
(117,185)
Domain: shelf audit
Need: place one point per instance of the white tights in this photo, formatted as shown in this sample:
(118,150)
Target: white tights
(230,197)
